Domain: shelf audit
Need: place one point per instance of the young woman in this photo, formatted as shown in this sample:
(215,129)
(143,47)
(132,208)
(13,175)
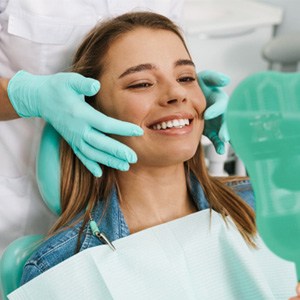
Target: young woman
(147,78)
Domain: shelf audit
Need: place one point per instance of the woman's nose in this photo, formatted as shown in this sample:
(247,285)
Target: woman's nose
(172,101)
(173,94)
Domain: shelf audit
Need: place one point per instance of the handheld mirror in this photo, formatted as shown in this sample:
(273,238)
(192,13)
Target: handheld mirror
(263,119)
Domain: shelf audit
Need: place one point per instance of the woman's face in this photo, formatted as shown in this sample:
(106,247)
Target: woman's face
(150,80)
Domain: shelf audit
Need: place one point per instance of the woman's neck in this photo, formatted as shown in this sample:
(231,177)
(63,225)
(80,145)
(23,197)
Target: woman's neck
(152,196)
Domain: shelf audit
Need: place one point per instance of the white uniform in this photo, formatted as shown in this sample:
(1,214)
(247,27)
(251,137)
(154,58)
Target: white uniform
(41,37)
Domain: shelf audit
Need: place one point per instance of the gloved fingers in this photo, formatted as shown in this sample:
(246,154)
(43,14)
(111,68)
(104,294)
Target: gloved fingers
(109,145)
(83,85)
(110,125)
(92,166)
(216,141)
(217,103)
(212,78)
(219,146)
(223,133)
(104,158)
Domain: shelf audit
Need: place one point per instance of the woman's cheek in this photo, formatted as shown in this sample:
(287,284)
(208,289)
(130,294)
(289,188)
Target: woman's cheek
(200,102)
(135,108)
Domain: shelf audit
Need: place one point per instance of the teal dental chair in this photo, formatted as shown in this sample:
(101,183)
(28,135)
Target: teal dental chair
(284,51)
(48,177)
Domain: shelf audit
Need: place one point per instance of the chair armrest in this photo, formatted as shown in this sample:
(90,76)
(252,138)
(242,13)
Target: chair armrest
(13,261)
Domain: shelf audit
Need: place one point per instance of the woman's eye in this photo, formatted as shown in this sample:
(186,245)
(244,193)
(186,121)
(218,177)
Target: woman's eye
(140,85)
(186,79)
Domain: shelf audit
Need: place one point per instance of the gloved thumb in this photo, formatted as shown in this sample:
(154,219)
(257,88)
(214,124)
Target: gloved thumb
(83,85)
(224,133)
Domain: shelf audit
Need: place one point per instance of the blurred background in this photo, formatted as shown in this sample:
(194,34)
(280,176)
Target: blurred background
(239,38)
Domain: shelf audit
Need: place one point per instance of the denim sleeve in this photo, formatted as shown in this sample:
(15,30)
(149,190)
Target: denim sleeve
(30,271)
(245,191)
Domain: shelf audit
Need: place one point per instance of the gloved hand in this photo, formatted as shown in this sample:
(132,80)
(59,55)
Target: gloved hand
(59,100)
(214,127)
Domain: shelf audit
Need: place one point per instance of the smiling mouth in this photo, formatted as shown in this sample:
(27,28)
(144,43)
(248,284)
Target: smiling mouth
(176,123)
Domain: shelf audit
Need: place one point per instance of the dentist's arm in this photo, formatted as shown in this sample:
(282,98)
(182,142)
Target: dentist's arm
(59,100)
(7,111)
(211,84)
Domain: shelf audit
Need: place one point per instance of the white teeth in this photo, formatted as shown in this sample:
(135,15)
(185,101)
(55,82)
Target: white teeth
(170,124)
(181,122)
(177,123)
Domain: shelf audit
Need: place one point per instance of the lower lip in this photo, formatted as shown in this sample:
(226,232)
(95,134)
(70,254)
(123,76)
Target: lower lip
(175,131)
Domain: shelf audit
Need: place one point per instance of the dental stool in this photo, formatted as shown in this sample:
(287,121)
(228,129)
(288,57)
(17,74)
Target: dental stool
(48,177)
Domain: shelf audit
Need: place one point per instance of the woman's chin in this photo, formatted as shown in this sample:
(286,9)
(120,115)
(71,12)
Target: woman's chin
(166,159)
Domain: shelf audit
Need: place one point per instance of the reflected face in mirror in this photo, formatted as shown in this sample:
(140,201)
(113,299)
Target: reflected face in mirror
(150,80)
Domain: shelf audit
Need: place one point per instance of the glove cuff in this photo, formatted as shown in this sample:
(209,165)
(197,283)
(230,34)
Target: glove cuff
(20,91)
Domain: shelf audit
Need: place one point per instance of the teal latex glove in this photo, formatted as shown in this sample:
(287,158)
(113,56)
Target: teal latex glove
(264,125)
(217,100)
(59,100)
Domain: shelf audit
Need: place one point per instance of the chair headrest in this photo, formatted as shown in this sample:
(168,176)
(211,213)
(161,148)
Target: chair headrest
(48,168)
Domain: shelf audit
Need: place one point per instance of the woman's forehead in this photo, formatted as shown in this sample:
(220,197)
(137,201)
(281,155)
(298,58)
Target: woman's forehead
(145,45)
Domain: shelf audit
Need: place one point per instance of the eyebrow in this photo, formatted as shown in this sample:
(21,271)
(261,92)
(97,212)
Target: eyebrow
(143,67)
(184,62)
(138,68)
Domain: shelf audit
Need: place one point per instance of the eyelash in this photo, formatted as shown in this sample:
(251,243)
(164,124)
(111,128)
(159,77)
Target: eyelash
(140,85)
(186,79)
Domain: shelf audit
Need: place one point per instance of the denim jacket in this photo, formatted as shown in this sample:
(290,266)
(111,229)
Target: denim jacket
(63,245)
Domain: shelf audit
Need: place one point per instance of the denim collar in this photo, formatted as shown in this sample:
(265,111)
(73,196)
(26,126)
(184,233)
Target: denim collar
(112,221)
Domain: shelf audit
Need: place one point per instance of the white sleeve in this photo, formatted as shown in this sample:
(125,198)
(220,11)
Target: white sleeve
(169,8)
(172,9)
(176,11)
(3,4)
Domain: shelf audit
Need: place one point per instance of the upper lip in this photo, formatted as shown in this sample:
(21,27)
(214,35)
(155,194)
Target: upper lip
(181,115)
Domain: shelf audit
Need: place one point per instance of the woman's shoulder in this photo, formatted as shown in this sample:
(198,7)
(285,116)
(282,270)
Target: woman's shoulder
(55,250)
(242,187)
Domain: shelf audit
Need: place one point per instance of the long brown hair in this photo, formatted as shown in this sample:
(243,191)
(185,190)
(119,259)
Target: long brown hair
(80,190)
